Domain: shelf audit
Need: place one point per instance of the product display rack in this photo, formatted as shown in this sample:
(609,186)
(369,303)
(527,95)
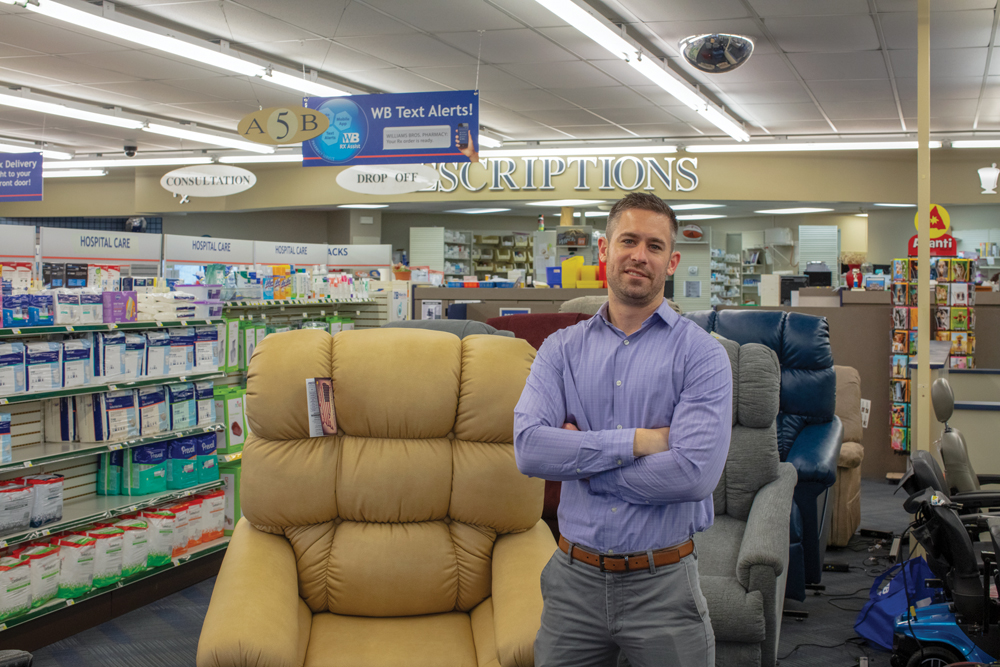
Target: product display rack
(32,456)
(79,513)
(27,332)
(56,604)
(457,253)
(28,397)
(500,252)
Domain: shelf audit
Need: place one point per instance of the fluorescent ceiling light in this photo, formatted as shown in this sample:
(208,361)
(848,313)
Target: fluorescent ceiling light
(596,28)
(486,141)
(47,153)
(313,88)
(828,146)
(723,122)
(257,159)
(74,173)
(977,143)
(127,162)
(67,112)
(691,207)
(790,211)
(898,205)
(567,202)
(586,150)
(206,138)
(860,215)
(591,214)
(699,216)
(477,211)
(363,206)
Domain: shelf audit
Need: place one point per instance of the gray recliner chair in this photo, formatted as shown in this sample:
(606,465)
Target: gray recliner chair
(460,328)
(743,557)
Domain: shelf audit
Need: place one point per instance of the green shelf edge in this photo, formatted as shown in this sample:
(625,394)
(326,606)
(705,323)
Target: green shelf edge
(111,386)
(85,328)
(61,603)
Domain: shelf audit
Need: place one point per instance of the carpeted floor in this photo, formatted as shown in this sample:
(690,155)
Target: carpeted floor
(165,633)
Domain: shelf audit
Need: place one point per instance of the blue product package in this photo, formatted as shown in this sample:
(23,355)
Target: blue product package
(41,310)
(182,460)
(205,396)
(15,310)
(5,450)
(12,378)
(91,306)
(121,415)
(208,460)
(109,473)
(157,353)
(180,360)
(61,418)
(183,406)
(43,366)
(145,470)
(135,356)
(154,414)
(78,362)
(206,348)
(109,356)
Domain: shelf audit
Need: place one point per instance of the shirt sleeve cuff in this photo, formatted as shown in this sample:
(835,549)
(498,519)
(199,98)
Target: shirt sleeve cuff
(619,448)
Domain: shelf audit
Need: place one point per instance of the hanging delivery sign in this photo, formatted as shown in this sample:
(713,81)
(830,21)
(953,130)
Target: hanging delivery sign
(20,177)
(269,252)
(204,250)
(404,128)
(209,180)
(390,179)
(73,244)
(943,244)
(283,125)
(358,255)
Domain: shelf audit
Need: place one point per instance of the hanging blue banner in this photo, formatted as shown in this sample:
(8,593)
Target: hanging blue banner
(401,128)
(20,177)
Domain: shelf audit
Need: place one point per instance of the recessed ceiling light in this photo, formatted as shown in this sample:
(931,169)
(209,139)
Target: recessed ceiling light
(477,211)
(977,143)
(567,202)
(898,205)
(860,215)
(792,211)
(691,207)
(127,162)
(578,150)
(699,216)
(74,173)
(260,159)
(825,146)
(363,206)
(591,214)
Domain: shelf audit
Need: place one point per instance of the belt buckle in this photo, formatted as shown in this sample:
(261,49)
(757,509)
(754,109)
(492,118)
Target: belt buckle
(600,560)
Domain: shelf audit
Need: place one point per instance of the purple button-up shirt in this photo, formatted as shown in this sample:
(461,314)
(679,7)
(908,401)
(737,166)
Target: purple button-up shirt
(668,373)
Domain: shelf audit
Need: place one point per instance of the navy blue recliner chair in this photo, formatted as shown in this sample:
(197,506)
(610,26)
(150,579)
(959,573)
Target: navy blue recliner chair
(809,433)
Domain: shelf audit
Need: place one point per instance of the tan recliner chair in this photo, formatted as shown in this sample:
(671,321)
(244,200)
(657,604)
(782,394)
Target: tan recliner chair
(846,515)
(408,540)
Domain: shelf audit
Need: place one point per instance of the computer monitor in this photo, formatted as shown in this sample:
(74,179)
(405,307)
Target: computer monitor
(791,284)
(819,278)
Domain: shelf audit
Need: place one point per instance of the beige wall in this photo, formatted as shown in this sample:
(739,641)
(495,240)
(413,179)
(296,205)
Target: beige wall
(396,226)
(293,226)
(889,230)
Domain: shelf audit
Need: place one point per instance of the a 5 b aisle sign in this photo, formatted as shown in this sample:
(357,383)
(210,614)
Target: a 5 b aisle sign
(395,129)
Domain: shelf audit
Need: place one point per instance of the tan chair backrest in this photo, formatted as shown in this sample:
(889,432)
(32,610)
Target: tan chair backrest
(398,513)
(849,402)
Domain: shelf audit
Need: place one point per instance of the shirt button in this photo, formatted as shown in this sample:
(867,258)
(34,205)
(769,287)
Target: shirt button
(614,509)
(578,470)
(611,551)
(618,384)
(626,342)
(619,463)
(619,426)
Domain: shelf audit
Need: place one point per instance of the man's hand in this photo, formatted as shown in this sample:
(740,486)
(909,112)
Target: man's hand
(570,427)
(650,441)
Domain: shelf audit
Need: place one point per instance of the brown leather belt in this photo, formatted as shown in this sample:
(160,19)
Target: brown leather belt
(611,563)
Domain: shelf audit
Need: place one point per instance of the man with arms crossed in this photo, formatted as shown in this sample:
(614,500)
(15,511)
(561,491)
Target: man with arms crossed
(632,411)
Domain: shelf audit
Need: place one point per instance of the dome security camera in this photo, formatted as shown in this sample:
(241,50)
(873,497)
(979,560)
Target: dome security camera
(130,150)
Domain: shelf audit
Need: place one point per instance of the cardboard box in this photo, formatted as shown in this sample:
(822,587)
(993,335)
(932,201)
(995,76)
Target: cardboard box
(120,306)
(231,474)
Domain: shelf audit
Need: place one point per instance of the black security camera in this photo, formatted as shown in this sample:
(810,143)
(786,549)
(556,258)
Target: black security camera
(130,150)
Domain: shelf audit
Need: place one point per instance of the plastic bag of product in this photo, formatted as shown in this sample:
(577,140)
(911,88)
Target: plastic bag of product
(109,473)
(76,573)
(180,511)
(108,544)
(15,507)
(213,515)
(43,564)
(195,526)
(145,470)
(182,460)
(47,497)
(15,587)
(208,461)
(160,536)
(135,546)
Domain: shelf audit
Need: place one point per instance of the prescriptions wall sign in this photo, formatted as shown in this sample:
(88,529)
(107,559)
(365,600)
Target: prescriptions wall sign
(405,128)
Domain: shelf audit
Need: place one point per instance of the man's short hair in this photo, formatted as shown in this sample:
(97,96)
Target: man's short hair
(645,202)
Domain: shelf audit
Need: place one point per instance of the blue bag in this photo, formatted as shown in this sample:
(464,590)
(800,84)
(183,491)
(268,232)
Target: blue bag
(886,601)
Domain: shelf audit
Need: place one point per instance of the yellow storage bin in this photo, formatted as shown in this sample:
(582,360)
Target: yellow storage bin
(588,273)
(589,284)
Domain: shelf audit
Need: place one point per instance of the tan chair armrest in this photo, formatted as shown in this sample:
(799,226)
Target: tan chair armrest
(256,615)
(518,560)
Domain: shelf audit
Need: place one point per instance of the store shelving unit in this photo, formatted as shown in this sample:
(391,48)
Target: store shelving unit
(28,332)
(28,397)
(500,252)
(457,253)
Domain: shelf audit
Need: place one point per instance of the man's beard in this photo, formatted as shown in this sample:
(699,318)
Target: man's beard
(634,295)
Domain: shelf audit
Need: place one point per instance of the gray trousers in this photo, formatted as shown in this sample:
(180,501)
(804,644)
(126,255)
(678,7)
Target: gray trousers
(653,619)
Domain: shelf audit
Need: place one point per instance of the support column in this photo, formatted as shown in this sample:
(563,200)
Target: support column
(922,393)
(566,217)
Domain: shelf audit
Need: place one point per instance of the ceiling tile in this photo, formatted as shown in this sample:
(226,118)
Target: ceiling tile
(947,124)
(800,127)
(759,68)
(674,31)
(603,98)
(769,8)
(943,108)
(694,10)
(411,51)
(511,46)
(147,65)
(571,39)
(834,34)
(596,132)
(992,87)
(956,88)
(491,79)
(621,72)
(945,63)
(769,92)
(771,113)
(397,80)
(231,110)
(839,66)
(936,5)
(226,87)
(38,33)
(867,110)
(11,51)
(560,117)
(653,94)
(565,74)
(63,68)
(528,13)
(869,126)
(852,90)
(445,17)
(153,91)
(532,99)
(948,29)
(331,19)
(632,116)
(323,55)
(660,129)
(227,20)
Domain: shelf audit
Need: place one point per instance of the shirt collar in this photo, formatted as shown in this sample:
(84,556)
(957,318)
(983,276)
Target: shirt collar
(664,312)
